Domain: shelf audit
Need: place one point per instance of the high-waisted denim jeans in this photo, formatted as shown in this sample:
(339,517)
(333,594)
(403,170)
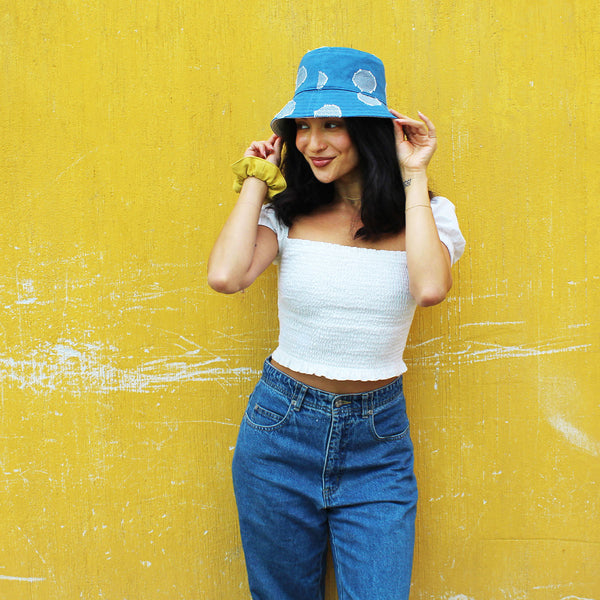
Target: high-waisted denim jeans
(311,466)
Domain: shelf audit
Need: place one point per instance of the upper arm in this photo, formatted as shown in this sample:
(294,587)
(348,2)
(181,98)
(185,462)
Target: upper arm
(265,252)
(447,255)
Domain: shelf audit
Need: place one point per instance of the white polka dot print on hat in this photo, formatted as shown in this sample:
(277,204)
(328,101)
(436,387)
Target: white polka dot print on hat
(328,110)
(337,82)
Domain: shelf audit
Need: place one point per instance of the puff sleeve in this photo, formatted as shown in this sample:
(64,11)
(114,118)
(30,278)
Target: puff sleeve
(269,219)
(444,215)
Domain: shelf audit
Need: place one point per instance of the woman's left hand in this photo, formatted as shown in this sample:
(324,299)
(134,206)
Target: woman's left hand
(416,141)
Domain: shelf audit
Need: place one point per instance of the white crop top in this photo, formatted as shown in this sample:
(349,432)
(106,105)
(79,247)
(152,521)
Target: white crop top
(345,312)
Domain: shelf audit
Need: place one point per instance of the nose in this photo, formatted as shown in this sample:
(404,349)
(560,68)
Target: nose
(316,142)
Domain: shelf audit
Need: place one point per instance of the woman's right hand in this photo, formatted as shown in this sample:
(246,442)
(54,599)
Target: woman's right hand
(269,150)
(243,249)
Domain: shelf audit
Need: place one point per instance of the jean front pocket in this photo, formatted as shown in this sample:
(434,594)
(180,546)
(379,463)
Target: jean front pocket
(268,408)
(390,421)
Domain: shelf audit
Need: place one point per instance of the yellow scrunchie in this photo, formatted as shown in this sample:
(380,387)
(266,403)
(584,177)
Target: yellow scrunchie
(252,166)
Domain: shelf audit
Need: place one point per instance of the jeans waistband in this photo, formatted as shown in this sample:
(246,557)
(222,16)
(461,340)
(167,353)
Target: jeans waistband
(299,393)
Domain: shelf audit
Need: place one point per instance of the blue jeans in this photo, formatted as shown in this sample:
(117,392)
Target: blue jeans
(311,466)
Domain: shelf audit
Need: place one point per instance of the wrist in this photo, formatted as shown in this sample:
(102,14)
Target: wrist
(407,172)
(253,192)
(254,183)
(411,179)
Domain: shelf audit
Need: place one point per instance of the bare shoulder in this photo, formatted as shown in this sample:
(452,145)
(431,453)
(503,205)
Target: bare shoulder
(336,226)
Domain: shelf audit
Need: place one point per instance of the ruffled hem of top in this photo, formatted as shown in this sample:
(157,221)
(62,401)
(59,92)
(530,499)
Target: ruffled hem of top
(339,373)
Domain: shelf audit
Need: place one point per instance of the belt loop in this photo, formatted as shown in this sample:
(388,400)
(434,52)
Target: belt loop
(298,397)
(367,405)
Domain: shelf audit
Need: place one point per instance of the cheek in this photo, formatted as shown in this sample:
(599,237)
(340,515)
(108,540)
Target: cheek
(353,157)
(300,142)
(346,143)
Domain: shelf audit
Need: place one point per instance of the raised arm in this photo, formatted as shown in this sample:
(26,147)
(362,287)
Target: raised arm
(243,249)
(427,257)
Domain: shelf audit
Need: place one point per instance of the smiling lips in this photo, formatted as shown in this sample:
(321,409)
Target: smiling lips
(321,161)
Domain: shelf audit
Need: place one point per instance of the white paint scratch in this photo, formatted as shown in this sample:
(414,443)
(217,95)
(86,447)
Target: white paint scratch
(26,301)
(513,595)
(181,422)
(558,396)
(74,163)
(95,367)
(492,323)
(574,435)
(426,342)
(77,356)
(475,352)
(31,544)
(28,579)
(66,352)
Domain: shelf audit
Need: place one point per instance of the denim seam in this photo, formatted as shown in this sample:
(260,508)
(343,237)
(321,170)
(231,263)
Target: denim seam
(326,458)
(387,438)
(298,396)
(339,578)
(276,425)
(274,385)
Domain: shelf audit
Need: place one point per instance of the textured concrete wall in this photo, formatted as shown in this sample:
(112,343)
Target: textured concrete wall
(123,378)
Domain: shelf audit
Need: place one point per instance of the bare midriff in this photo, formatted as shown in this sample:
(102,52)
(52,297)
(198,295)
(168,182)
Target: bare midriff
(333,386)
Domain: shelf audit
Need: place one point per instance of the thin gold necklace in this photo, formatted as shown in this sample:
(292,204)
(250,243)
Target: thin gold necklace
(350,199)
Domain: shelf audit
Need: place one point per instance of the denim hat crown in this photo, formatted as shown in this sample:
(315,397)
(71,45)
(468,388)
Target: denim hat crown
(337,82)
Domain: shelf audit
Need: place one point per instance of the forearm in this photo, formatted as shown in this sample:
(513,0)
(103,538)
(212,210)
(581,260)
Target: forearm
(233,252)
(428,259)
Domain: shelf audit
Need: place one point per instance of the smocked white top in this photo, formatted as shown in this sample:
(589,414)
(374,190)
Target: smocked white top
(345,312)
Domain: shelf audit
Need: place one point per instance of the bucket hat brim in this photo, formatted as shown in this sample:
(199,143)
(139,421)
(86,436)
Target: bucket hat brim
(336,82)
(332,104)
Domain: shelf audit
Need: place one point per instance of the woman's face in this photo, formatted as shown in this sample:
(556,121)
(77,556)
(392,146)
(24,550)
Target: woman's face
(328,149)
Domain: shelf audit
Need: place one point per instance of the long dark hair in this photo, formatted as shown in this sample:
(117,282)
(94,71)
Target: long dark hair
(382,206)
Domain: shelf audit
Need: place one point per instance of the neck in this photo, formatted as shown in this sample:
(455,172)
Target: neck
(349,194)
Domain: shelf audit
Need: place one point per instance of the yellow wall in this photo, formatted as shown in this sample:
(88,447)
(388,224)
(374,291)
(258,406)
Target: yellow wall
(123,377)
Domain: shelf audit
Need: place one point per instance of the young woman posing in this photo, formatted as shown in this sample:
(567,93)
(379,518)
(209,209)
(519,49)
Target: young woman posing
(324,451)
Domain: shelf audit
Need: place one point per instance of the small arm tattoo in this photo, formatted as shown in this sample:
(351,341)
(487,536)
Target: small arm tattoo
(407,182)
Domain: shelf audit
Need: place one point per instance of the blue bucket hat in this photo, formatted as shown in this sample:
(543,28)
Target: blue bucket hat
(337,82)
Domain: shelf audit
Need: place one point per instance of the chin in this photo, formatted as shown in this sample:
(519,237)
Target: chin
(324,177)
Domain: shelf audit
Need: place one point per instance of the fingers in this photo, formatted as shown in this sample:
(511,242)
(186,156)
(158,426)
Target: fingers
(415,141)
(264,149)
(424,127)
(277,145)
(430,125)
(398,126)
(259,149)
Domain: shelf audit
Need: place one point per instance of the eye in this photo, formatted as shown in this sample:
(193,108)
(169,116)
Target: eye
(301,125)
(334,124)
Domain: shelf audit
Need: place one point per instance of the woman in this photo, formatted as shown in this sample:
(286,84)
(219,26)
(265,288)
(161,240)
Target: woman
(324,451)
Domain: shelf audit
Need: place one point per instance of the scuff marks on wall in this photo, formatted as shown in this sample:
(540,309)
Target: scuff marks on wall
(103,336)
(573,435)
(82,367)
(468,351)
(560,398)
